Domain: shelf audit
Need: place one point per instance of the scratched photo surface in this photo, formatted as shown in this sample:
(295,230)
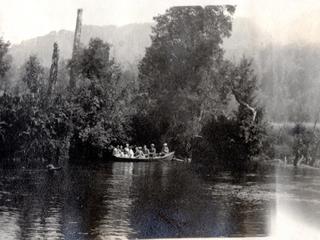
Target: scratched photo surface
(159,119)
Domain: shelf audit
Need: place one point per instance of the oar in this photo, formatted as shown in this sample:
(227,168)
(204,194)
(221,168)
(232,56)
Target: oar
(177,159)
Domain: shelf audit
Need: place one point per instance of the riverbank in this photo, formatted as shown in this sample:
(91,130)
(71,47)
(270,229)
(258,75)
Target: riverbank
(280,163)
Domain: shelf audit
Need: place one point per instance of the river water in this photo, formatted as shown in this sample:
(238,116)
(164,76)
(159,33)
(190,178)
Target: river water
(145,200)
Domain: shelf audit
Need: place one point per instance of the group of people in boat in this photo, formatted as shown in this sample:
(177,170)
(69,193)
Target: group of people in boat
(129,151)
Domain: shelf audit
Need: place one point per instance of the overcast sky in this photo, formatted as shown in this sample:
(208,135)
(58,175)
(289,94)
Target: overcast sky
(24,19)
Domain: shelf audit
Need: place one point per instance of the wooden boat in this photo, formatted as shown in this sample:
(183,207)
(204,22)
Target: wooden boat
(166,158)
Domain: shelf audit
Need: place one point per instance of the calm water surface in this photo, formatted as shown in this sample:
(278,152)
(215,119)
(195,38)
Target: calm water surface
(143,200)
(298,196)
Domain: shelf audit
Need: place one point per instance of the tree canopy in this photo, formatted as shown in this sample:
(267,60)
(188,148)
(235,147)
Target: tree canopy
(98,103)
(176,72)
(5,63)
(33,74)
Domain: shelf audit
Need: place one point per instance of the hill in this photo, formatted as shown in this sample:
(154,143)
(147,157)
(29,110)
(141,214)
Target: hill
(129,42)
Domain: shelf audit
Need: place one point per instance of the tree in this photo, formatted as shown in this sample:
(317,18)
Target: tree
(95,61)
(30,132)
(177,69)
(31,128)
(232,141)
(63,77)
(98,110)
(252,127)
(244,87)
(54,69)
(5,62)
(33,74)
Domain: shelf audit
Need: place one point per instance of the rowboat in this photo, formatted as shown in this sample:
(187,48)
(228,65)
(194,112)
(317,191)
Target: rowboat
(167,157)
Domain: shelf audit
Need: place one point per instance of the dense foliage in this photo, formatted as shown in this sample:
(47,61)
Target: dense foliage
(36,125)
(175,74)
(31,131)
(5,61)
(98,104)
(235,139)
(188,88)
(185,90)
(33,75)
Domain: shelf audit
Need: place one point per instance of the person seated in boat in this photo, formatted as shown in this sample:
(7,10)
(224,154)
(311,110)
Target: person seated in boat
(131,153)
(139,152)
(121,152)
(126,150)
(142,153)
(165,149)
(136,151)
(115,152)
(118,151)
(153,150)
(146,151)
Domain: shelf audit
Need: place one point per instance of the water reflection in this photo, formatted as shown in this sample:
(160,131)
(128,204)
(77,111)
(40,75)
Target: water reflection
(117,203)
(298,203)
(136,200)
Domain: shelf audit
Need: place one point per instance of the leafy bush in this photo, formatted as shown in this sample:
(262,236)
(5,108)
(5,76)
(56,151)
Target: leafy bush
(229,147)
(31,132)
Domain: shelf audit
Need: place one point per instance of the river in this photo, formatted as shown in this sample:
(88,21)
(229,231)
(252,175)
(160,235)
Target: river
(147,200)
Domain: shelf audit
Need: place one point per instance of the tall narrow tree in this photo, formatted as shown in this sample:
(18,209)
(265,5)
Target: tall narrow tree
(76,48)
(5,63)
(54,69)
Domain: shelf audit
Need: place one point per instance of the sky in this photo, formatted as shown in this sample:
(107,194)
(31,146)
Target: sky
(25,19)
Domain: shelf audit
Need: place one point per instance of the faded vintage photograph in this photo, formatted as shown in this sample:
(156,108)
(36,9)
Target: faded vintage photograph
(168,119)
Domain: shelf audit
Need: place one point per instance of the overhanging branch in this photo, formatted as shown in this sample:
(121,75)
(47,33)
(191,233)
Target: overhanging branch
(238,99)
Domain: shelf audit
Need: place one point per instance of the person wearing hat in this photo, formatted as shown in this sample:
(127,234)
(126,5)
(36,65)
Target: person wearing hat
(121,152)
(146,151)
(165,149)
(141,154)
(115,152)
(126,150)
(131,153)
(138,152)
(153,150)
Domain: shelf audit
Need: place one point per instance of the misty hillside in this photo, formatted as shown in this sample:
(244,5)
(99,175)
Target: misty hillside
(129,41)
